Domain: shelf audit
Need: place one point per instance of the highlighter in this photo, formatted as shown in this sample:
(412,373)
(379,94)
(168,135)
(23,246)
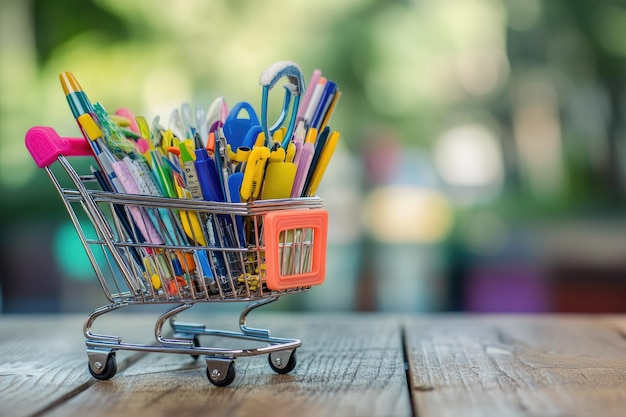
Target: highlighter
(162,173)
(321,165)
(253,174)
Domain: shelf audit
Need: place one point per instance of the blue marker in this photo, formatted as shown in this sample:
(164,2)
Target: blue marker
(207,176)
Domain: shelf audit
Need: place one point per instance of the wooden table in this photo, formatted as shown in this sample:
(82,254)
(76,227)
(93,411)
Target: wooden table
(348,365)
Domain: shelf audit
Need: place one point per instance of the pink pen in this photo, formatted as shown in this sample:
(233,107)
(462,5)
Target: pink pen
(139,216)
(304,102)
(304,163)
(315,99)
(298,140)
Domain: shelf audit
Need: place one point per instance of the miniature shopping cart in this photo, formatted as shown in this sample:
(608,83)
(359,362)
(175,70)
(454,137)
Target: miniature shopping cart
(209,252)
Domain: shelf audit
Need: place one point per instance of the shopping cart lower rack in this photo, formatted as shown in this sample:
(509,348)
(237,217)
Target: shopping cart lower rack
(153,250)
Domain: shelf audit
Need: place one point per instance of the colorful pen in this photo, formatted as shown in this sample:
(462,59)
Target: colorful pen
(321,165)
(315,77)
(304,163)
(324,103)
(191,175)
(315,98)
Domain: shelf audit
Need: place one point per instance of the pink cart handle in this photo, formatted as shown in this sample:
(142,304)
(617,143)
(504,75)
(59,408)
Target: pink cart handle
(45,145)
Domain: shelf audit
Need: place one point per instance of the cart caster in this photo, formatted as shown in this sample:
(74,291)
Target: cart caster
(103,369)
(221,372)
(282,361)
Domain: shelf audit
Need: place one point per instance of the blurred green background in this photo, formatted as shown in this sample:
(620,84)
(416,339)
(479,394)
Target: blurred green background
(482,163)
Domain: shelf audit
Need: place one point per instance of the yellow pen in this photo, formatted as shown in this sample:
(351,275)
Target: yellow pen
(320,168)
(189,219)
(330,110)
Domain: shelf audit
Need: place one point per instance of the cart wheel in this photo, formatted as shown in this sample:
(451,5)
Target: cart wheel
(110,368)
(279,364)
(215,376)
(196,343)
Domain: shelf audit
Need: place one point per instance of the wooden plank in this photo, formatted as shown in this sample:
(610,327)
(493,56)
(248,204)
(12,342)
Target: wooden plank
(43,360)
(351,365)
(517,365)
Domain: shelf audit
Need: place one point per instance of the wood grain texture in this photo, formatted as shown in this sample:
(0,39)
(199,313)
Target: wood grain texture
(347,366)
(517,365)
(43,360)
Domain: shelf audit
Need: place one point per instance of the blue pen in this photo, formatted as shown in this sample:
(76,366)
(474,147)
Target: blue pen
(234,185)
(327,96)
(212,191)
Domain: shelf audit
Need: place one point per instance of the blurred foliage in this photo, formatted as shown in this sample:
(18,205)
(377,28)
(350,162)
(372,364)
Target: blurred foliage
(542,80)
(413,67)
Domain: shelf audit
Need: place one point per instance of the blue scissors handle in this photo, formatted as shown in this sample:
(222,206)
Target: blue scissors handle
(269,77)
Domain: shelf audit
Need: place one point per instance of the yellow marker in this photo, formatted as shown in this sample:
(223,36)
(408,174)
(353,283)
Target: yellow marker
(320,168)
(291,152)
(189,220)
(278,181)
(253,173)
(311,135)
(279,175)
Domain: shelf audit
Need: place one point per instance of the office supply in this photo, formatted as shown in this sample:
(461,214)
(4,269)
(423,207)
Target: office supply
(322,164)
(330,89)
(177,126)
(251,136)
(207,176)
(279,174)
(304,163)
(189,126)
(236,127)
(141,217)
(278,181)
(320,142)
(315,77)
(331,109)
(128,115)
(191,176)
(318,90)
(269,77)
(105,158)
(253,174)
(216,114)
(290,153)
(203,129)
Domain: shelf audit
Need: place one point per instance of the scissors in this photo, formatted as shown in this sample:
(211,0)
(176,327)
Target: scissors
(295,87)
